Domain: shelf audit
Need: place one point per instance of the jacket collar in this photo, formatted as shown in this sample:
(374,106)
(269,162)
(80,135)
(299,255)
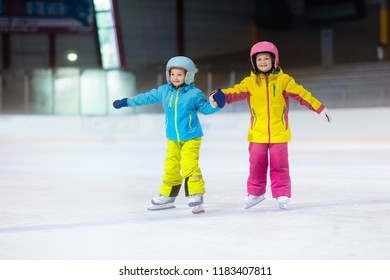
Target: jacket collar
(275,73)
(183,88)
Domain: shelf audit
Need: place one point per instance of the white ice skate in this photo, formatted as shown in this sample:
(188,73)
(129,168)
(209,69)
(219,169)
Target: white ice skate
(161,202)
(197,209)
(282,201)
(251,200)
(195,200)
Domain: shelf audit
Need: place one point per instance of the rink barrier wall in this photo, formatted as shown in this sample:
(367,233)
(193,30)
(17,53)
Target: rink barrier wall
(363,124)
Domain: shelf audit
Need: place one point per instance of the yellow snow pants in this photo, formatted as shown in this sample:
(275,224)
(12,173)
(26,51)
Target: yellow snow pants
(182,162)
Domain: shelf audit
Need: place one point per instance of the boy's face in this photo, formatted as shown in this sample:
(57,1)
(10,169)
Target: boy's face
(264,62)
(177,76)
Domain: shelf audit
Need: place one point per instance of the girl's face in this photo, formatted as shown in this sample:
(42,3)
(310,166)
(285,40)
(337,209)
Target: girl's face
(264,62)
(177,76)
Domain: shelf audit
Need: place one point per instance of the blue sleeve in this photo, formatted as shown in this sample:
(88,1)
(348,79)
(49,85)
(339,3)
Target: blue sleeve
(153,96)
(204,106)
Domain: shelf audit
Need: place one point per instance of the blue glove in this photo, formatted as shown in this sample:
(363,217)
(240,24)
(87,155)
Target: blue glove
(120,103)
(217,99)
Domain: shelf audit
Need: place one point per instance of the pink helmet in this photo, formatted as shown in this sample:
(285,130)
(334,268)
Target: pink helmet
(264,46)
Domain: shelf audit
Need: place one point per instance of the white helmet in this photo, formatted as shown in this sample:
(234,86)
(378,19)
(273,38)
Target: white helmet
(185,63)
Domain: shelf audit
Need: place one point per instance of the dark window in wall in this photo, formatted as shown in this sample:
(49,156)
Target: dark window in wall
(45,16)
(273,14)
(333,10)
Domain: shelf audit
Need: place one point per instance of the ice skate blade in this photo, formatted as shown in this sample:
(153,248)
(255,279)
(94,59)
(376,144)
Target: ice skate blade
(198,212)
(161,207)
(283,206)
(198,209)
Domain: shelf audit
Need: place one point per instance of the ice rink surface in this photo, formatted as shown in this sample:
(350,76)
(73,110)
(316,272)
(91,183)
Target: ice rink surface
(76,188)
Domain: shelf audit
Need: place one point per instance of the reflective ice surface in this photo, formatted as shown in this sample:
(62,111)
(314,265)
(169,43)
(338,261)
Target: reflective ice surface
(78,188)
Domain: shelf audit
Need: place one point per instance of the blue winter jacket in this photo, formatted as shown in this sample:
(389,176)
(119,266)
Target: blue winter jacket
(180,106)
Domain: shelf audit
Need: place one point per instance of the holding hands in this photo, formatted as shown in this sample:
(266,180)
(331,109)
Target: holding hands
(217,99)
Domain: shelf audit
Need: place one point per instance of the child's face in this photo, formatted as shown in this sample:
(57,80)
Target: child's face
(264,62)
(177,76)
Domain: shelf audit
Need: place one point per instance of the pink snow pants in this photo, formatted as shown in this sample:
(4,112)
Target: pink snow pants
(279,169)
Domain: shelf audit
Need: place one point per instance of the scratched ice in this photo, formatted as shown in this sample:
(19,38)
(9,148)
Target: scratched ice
(78,188)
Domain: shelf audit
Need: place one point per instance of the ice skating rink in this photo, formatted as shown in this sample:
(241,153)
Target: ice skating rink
(77,188)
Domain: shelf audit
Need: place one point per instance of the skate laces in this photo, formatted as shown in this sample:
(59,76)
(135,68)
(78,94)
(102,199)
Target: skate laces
(160,199)
(195,200)
(252,200)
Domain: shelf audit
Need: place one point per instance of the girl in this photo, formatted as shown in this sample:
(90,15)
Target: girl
(267,91)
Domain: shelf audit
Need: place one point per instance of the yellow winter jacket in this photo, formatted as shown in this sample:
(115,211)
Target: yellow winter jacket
(268,101)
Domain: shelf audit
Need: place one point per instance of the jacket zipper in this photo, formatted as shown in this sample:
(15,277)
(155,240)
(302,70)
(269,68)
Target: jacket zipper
(175,114)
(268,110)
